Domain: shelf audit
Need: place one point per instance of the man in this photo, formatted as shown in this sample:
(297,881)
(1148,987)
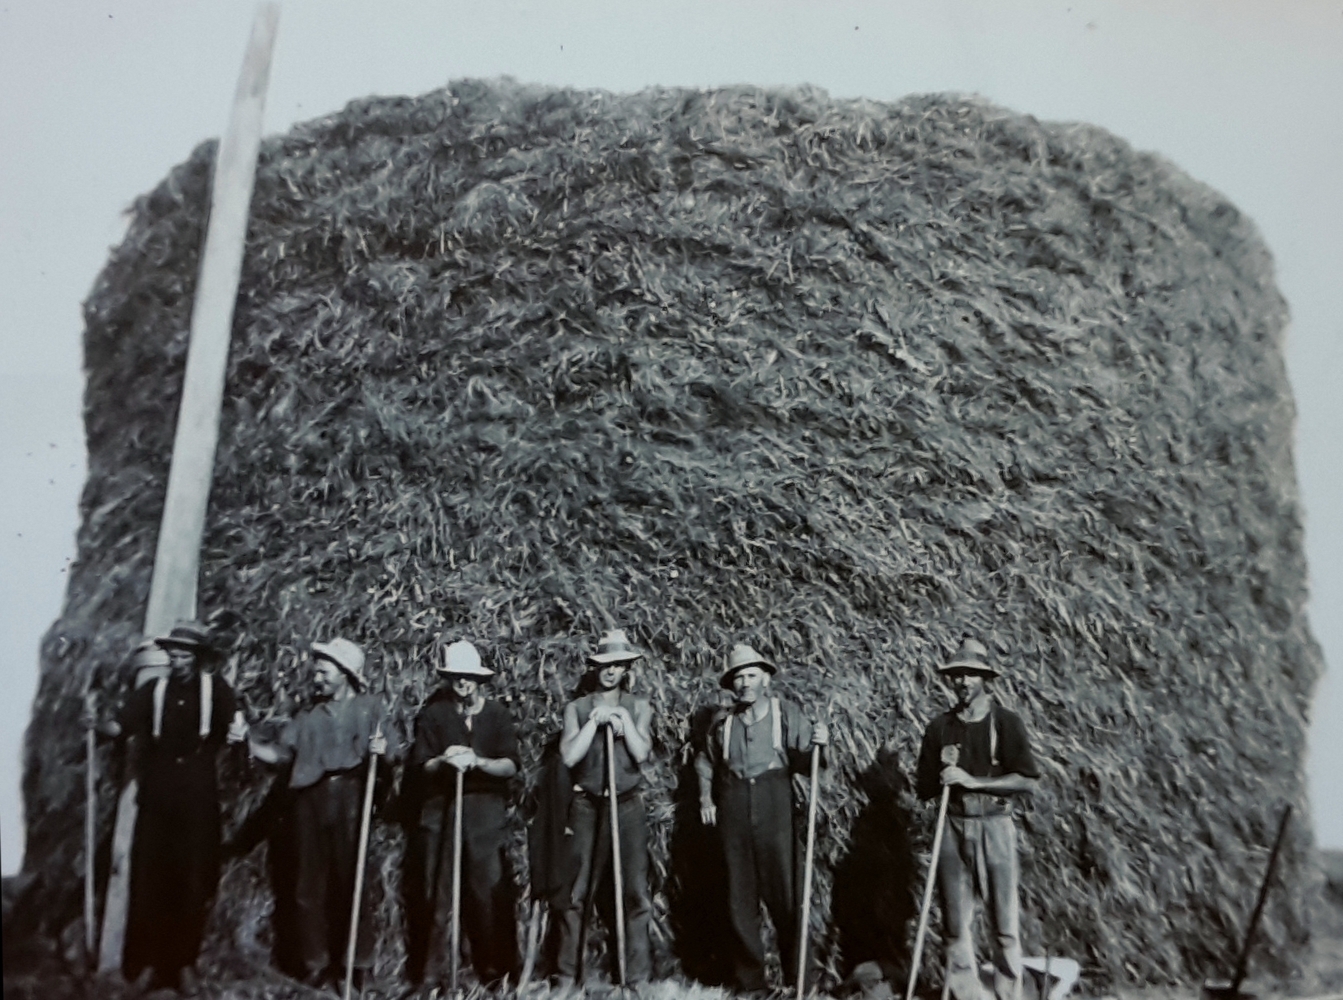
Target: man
(583,751)
(328,747)
(745,789)
(993,762)
(174,727)
(460,731)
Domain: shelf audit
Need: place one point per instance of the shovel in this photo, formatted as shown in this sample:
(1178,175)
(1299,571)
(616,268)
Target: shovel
(1217,989)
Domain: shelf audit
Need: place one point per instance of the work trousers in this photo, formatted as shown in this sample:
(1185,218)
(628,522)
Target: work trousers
(755,820)
(979,858)
(327,817)
(488,922)
(590,821)
(174,867)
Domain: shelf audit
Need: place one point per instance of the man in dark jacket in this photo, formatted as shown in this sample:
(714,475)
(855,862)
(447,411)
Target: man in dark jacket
(460,731)
(175,726)
(746,790)
(979,849)
(583,750)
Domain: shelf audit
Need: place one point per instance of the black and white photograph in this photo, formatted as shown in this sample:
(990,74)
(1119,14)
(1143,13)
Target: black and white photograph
(674,500)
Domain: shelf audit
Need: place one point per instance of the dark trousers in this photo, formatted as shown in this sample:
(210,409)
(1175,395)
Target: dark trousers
(488,895)
(591,822)
(326,832)
(755,820)
(174,868)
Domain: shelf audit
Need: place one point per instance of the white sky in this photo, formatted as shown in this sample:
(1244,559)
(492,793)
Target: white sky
(99,100)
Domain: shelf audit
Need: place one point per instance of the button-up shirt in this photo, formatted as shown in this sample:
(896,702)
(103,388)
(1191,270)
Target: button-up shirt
(331,736)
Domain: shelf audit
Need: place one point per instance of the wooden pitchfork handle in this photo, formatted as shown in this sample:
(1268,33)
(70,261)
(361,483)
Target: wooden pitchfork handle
(616,874)
(360,859)
(804,931)
(928,894)
(455,945)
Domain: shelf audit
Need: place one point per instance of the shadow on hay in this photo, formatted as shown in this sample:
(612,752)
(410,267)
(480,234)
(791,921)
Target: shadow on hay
(875,883)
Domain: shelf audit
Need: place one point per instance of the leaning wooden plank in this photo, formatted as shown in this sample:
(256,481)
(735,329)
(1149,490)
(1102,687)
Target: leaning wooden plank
(172,592)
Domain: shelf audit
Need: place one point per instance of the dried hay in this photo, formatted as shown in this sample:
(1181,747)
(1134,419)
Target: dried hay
(841,378)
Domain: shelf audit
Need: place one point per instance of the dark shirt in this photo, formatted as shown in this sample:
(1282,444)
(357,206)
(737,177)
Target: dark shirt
(1014,749)
(180,732)
(441,725)
(589,774)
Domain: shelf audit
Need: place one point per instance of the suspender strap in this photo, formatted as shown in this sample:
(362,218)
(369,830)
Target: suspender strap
(777,732)
(993,737)
(727,735)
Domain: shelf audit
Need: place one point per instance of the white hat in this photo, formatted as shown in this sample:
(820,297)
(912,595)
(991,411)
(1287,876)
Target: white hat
(346,655)
(743,656)
(462,660)
(614,647)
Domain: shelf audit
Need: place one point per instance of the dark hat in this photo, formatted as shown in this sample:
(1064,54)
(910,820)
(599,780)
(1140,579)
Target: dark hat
(741,656)
(972,656)
(187,635)
(614,647)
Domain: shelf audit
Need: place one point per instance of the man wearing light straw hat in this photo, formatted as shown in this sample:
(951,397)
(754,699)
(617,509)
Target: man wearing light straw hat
(746,790)
(583,748)
(329,745)
(460,731)
(978,856)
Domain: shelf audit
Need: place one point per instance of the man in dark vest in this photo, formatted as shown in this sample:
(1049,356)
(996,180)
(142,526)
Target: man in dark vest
(746,790)
(979,849)
(175,726)
(583,750)
(328,746)
(459,730)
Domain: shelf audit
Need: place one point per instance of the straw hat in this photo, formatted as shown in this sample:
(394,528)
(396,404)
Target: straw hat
(463,660)
(149,654)
(614,647)
(346,655)
(187,635)
(741,656)
(972,655)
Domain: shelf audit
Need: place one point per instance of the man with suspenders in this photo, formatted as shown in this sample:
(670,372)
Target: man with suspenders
(175,725)
(746,790)
(979,848)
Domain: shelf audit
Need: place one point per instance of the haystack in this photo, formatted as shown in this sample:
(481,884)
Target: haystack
(844,379)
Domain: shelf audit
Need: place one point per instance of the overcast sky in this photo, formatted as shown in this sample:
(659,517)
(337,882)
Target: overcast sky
(99,100)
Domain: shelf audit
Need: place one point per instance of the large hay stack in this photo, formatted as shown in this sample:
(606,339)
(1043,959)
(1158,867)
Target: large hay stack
(845,379)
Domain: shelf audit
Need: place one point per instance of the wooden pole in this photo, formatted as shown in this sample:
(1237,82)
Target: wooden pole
(456,935)
(616,874)
(90,842)
(172,590)
(804,930)
(1242,963)
(361,857)
(928,894)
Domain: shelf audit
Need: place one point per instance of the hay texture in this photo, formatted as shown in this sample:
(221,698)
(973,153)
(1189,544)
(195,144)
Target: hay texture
(844,379)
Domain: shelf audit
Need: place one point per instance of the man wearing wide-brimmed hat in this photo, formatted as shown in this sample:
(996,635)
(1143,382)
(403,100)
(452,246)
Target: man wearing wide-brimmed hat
(328,746)
(174,726)
(979,850)
(583,748)
(745,789)
(459,730)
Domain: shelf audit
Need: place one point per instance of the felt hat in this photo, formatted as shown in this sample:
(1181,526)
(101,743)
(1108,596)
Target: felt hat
(187,635)
(614,647)
(149,654)
(462,659)
(346,655)
(972,656)
(741,656)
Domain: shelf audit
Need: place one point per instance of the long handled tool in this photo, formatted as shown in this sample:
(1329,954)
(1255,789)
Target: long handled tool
(616,875)
(804,931)
(950,755)
(455,937)
(1222,991)
(90,839)
(365,821)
